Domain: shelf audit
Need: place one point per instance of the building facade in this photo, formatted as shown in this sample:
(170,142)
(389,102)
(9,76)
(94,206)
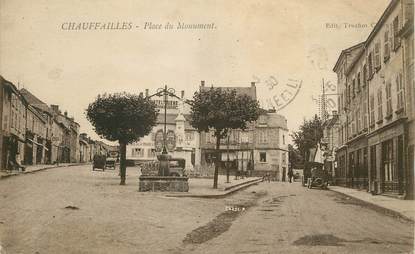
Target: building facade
(32,132)
(376,110)
(182,140)
(260,149)
(330,143)
(345,60)
(407,36)
(13,124)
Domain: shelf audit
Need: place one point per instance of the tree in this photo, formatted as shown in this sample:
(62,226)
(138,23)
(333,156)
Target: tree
(308,136)
(221,110)
(122,117)
(295,157)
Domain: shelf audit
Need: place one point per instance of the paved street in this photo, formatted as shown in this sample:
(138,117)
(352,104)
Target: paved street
(75,210)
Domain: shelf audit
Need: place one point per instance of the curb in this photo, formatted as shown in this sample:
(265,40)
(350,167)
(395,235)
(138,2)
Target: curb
(40,169)
(222,195)
(239,184)
(388,211)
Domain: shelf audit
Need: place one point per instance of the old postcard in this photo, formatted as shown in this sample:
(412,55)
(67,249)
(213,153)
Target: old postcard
(172,126)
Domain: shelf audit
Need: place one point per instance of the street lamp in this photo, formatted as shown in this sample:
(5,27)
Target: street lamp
(165,92)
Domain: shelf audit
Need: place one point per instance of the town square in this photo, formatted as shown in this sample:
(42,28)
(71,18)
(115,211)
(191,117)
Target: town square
(207,127)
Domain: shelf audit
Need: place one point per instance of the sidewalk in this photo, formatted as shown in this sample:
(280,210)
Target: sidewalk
(35,168)
(402,208)
(202,187)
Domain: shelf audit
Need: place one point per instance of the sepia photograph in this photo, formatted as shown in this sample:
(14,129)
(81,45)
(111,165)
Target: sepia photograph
(207,126)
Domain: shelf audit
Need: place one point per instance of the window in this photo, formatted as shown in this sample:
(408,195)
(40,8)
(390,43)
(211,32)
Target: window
(388,99)
(396,38)
(358,82)
(151,152)
(399,91)
(380,114)
(189,135)
(364,75)
(388,161)
(262,136)
(377,56)
(263,157)
(354,88)
(349,94)
(370,63)
(358,119)
(138,152)
(365,162)
(364,114)
(244,137)
(352,121)
(372,110)
(283,139)
(386,47)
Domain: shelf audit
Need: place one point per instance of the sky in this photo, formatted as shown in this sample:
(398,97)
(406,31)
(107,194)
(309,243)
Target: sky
(270,42)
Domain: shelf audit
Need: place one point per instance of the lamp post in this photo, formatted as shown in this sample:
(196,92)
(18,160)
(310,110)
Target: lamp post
(165,92)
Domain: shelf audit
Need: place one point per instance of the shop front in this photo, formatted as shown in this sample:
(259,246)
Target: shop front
(387,157)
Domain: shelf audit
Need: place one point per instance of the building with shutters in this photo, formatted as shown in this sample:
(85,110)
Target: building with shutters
(375,104)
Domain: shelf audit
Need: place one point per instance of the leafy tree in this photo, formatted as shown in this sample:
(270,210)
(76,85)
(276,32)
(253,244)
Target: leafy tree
(221,110)
(308,136)
(122,117)
(295,157)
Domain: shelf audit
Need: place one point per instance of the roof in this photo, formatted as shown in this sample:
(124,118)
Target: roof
(35,102)
(381,20)
(346,52)
(240,90)
(36,113)
(171,119)
(273,120)
(12,87)
(372,34)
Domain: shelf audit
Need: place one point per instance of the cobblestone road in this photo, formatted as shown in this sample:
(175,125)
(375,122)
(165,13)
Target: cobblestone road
(75,210)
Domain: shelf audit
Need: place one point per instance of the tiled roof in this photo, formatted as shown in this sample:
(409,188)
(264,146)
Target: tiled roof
(35,102)
(240,90)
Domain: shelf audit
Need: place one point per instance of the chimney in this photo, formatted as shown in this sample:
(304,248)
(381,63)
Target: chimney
(146,92)
(182,94)
(141,94)
(202,83)
(65,113)
(252,84)
(55,108)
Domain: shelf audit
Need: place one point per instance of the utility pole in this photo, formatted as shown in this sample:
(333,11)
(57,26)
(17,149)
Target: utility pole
(227,162)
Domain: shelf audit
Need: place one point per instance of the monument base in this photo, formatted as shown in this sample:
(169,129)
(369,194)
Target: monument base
(164,183)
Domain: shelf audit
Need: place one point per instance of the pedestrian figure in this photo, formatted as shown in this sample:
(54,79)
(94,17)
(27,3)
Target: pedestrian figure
(15,163)
(290,175)
(267,177)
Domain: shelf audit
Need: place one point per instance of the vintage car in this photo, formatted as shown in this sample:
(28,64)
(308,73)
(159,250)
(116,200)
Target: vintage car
(99,162)
(319,178)
(176,167)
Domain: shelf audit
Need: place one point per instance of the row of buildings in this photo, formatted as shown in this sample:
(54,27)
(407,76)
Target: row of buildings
(369,142)
(34,133)
(260,149)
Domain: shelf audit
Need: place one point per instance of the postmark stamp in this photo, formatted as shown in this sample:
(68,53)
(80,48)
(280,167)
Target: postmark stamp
(282,93)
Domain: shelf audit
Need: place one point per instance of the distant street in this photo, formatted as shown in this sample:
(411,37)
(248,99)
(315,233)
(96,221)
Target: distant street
(75,210)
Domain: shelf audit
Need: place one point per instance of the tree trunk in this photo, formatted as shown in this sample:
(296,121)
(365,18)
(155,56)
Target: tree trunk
(123,165)
(215,176)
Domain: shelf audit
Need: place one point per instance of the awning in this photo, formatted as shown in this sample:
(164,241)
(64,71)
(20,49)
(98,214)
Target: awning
(34,142)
